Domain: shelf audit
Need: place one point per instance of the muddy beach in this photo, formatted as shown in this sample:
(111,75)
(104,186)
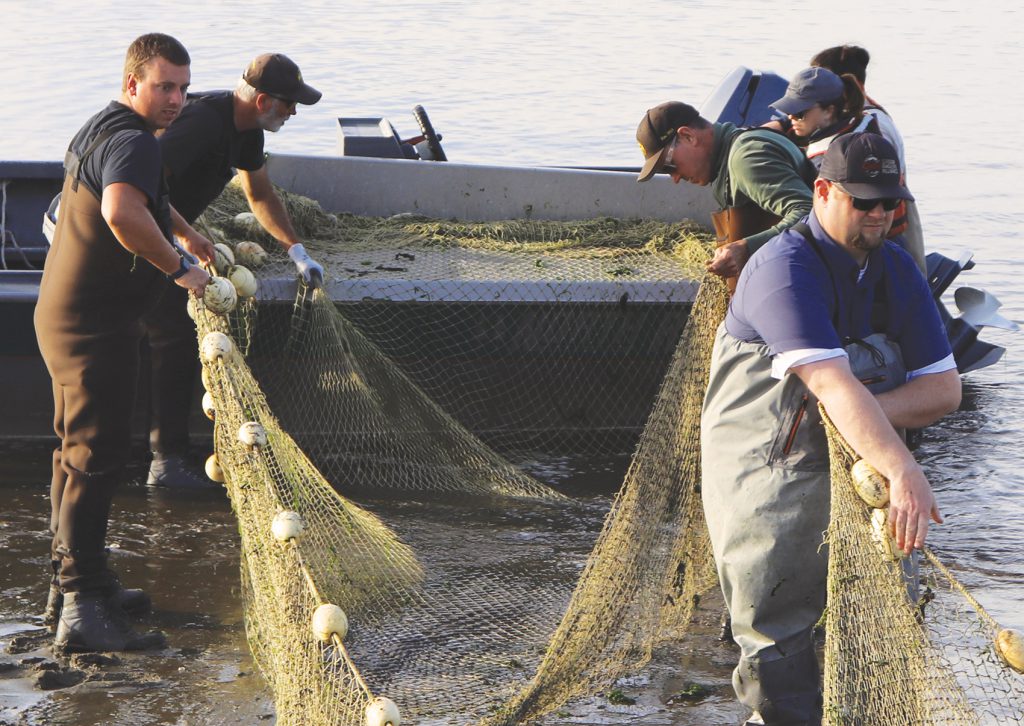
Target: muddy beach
(183,549)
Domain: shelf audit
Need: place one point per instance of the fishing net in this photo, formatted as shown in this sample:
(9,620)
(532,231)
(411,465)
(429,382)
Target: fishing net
(534,335)
(455,632)
(473,592)
(899,653)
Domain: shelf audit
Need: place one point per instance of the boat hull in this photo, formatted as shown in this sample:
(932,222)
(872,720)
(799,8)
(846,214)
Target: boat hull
(637,338)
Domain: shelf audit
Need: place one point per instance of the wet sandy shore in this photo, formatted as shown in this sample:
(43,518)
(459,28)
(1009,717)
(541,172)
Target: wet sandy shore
(183,550)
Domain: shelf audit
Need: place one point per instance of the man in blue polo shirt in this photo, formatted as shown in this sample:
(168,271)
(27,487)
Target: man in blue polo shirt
(820,308)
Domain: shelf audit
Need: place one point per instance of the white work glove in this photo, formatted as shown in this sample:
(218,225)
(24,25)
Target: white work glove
(305,264)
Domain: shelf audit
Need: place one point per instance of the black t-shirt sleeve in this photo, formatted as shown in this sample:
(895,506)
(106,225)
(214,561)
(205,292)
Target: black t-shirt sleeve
(132,157)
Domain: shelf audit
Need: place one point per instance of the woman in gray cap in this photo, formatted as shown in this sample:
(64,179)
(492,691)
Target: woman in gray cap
(818,107)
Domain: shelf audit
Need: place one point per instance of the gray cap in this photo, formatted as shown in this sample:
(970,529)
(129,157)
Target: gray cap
(808,88)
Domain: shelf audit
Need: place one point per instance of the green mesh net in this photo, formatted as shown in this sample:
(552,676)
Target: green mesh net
(474,593)
(894,658)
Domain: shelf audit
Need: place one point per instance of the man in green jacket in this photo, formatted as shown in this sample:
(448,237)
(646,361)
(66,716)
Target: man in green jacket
(759,178)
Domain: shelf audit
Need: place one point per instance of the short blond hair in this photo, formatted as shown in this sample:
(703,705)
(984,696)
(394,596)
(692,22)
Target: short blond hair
(149,46)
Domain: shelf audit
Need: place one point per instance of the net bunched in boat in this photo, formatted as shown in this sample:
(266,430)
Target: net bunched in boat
(473,592)
(531,334)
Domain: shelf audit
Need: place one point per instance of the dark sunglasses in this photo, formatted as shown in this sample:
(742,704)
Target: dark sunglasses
(668,166)
(289,104)
(866,205)
(801,114)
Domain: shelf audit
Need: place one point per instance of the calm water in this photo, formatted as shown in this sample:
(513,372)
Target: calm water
(557,83)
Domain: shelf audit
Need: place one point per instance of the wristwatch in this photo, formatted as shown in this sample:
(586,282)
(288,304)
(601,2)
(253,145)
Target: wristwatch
(184,267)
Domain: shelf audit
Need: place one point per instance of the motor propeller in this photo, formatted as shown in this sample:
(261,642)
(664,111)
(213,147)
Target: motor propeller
(978,308)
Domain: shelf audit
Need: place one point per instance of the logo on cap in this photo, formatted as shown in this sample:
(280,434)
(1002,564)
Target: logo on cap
(871,166)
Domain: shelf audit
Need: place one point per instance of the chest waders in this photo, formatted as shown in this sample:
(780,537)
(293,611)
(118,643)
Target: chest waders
(91,298)
(174,362)
(734,223)
(766,495)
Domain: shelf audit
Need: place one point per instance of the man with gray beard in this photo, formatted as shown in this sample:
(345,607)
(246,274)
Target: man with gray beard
(217,134)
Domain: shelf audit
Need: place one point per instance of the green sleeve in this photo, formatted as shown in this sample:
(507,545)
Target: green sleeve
(767,174)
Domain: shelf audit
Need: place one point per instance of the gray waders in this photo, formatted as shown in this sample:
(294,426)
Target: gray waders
(765,486)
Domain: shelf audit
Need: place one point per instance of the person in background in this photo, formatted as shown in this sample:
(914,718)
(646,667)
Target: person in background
(111,258)
(853,60)
(217,133)
(758,177)
(819,106)
(818,309)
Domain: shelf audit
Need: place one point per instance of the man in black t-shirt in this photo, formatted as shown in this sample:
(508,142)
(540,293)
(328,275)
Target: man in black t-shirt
(217,134)
(110,260)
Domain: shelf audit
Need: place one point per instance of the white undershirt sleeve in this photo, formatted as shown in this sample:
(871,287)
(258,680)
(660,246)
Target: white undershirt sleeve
(782,362)
(946,364)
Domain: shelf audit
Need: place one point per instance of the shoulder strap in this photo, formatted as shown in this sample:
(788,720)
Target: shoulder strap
(804,229)
(879,305)
(73,162)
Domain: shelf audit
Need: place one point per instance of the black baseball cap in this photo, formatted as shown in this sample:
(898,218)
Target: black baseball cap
(277,75)
(866,166)
(656,130)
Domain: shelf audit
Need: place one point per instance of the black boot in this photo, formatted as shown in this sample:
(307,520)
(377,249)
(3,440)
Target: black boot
(88,622)
(131,600)
(173,472)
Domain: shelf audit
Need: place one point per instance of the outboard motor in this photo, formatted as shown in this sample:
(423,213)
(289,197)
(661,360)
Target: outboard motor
(743,96)
(376,137)
(977,310)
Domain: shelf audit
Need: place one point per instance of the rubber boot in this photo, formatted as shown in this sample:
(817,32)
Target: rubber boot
(54,598)
(89,623)
(783,692)
(171,472)
(132,601)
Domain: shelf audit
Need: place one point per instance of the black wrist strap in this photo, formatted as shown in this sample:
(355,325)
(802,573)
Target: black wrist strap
(182,269)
